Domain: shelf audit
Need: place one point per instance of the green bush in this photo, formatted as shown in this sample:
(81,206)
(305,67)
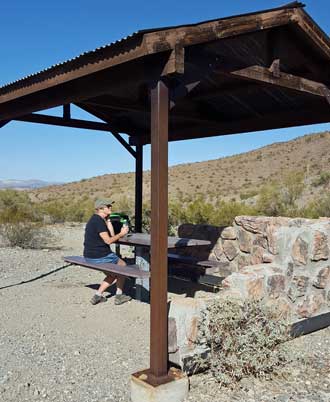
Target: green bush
(67,210)
(15,206)
(245,339)
(227,211)
(280,198)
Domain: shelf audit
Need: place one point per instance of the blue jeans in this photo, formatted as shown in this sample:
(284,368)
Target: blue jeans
(112,258)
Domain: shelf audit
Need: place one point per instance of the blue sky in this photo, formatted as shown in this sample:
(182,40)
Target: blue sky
(37,34)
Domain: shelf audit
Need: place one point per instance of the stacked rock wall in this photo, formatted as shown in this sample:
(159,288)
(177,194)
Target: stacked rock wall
(287,263)
(283,260)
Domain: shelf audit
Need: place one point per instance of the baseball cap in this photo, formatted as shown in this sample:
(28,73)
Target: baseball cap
(102,202)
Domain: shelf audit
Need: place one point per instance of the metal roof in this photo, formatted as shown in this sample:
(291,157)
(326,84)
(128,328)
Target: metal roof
(249,72)
(97,52)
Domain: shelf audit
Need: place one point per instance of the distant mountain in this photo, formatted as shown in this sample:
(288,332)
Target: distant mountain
(24,184)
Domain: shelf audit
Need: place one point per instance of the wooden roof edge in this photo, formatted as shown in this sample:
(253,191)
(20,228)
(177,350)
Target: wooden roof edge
(312,29)
(216,29)
(59,68)
(294,4)
(156,41)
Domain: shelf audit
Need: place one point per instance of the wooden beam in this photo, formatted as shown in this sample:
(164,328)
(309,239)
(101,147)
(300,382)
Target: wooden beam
(113,105)
(80,89)
(218,29)
(59,121)
(263,75)
(159,222)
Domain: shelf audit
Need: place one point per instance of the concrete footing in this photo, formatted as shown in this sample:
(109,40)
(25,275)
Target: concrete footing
(173,389)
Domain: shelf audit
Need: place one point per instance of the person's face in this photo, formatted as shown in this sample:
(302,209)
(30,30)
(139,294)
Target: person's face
(107,209)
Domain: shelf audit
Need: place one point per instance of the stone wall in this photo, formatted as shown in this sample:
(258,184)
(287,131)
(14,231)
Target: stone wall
(282,261)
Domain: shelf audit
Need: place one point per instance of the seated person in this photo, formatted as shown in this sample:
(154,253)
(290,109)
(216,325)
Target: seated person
(99,234)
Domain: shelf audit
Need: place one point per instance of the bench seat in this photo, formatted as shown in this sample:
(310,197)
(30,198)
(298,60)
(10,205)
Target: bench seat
(132,271)
(200,271)
(207,266)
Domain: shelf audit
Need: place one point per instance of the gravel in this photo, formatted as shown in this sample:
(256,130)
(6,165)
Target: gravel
(56,346)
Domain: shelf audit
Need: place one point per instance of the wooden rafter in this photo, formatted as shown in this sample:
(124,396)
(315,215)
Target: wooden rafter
(265,76)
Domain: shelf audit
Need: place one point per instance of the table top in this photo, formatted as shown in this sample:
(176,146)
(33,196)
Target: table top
(143,239)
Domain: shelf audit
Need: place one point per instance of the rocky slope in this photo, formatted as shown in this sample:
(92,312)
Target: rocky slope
(226,178)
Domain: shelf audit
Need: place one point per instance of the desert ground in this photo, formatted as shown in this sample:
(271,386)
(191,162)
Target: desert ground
(56,346)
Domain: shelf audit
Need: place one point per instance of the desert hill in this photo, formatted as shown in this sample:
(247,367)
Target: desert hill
(235,177)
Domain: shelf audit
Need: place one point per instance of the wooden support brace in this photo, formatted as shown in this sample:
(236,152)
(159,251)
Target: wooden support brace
(175,63)
(275,68)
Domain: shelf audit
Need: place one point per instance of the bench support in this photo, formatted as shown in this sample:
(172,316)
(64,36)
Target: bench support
(142,259)
(132,271)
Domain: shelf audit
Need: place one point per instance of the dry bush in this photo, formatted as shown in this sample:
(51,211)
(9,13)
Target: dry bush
(26,235)
(245,339)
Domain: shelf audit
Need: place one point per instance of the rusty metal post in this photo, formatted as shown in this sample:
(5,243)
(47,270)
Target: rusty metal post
(159,219)
(138,188)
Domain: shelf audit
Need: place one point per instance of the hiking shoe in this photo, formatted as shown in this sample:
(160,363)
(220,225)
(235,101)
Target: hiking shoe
(121,299)
(98,299)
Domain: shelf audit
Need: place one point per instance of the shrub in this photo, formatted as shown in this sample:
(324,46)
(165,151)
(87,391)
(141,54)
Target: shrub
(15,206)
(280,198)
(322,180)
(227,211)
(317,208)
(245,339)
(25,235)
(269,201)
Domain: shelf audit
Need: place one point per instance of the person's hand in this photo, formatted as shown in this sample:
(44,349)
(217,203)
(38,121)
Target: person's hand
(124,230)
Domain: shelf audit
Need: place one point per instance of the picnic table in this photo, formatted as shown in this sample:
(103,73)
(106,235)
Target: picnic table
(142,243)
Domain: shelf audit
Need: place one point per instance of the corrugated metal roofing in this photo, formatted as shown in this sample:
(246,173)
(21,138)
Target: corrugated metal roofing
(10,86)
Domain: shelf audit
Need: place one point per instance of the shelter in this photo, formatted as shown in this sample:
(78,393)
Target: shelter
(257,71)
